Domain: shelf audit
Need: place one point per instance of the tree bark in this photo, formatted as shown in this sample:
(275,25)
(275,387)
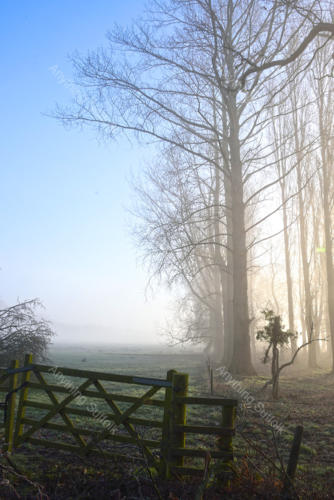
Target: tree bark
(328,236)
(241,362)
(227,280)
(303,233)
(218,264)
(288,267)
(275,371)
(306,270)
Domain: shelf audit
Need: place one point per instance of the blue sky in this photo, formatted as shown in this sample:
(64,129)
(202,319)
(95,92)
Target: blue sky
(62,192)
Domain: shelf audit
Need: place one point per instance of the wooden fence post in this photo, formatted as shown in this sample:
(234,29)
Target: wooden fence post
(175,414)
(23,397)
(10,410)
(224,443)
(178,437)
(293,460)
(166,429)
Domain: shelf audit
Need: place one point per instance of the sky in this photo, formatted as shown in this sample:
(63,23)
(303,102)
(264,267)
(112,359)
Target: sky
(63,192)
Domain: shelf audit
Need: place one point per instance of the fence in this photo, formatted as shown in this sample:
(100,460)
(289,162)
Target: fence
(62,413)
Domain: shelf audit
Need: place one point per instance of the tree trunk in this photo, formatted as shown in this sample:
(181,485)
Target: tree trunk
(275,371)
(288,267)
(329,266)
(218,264)
(312,363)
(227,286)
(227,281)
(252,319)
(301,300)
(241,362)
(327,227)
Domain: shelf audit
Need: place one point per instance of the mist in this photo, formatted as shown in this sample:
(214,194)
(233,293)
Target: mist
(167,199)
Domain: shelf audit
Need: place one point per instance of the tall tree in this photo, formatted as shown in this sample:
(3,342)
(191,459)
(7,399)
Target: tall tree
(324,91)
(302,171)
(163,77)
(281,138)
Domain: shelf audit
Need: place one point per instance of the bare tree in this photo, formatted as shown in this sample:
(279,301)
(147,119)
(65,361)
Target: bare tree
(323,89)
(22,331)
(181,230)
(281,139)
(163,78)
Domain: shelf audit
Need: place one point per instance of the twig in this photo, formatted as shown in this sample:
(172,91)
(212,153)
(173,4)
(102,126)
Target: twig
(280,470)
(204,483)
(37,486)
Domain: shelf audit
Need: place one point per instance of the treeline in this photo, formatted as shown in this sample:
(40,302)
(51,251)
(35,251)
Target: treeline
(235,211)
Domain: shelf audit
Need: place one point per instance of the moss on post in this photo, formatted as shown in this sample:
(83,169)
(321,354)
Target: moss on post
(180,390)
(175,414)
(166,429)
(23,397)
(224,444)
(10,410)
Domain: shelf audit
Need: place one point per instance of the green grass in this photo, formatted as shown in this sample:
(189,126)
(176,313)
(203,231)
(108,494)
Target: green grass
(304,399)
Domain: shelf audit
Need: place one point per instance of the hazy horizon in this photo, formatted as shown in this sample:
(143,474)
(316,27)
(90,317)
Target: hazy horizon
(65,193)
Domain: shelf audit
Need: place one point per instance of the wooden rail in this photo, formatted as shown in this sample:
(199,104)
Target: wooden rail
(80,405)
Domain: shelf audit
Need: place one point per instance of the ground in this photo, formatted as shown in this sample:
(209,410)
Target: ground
(306,399)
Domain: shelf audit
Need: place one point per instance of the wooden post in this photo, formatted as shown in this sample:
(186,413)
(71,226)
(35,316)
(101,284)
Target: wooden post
(293,459)
(166,429)
(10,410)
(23,397)
(178,437)
(224,443)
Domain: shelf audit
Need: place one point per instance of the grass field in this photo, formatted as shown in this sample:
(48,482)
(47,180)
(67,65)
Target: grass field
(305,399)
(153,361)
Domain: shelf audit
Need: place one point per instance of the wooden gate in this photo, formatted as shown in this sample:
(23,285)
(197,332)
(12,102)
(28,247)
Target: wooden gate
(74,404)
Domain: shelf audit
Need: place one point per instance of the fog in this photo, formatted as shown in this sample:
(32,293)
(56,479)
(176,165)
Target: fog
(64,196)
(148,240)
(166,209)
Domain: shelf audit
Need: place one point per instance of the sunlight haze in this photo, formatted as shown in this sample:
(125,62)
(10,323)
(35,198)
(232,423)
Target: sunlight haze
(64,193)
